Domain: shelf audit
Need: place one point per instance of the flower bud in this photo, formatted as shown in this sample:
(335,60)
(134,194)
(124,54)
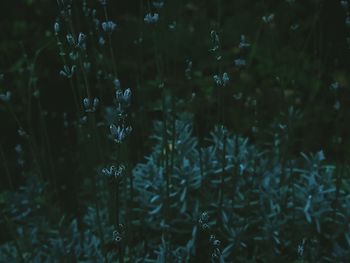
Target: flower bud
(119,95)
(127,95)
(96,102)
(86,103)
(56,28)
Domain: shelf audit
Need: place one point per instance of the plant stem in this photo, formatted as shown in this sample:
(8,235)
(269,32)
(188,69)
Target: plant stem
(6,168)
(223,172)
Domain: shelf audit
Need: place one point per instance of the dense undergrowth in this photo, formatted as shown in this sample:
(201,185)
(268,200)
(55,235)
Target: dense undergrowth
(228,202)
(176,131)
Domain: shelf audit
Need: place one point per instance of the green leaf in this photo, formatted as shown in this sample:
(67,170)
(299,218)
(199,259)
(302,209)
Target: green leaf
(156,210)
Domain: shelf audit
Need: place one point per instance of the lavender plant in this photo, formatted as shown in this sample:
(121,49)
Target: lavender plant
(227,176)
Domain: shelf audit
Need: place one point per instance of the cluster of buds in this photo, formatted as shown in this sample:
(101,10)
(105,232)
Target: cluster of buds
(243,43)
(22,133)
(158,5)
(240,63)
(216,247)
(114,172)
(122,101)
(122,98)
(301,248)
(215,41)
(19,151)
(109,26)
(221,81)
(77,43)
(151,19)
(118,234)
(119,133)
(68,71)
(90,105)
(56,28)
(204,221)
(188,70)
(268,19)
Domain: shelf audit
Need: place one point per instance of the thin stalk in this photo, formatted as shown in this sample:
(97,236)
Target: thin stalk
(70,24)
(111,50)
(235,173)
(223,172)
(338,171)
(97,139)
(48,148)
(254,45)
(117,207)
(173,134)
(293,192)
(32,144)
(86,82)
(219,10)
(8,175)
(201,170)
(166,161)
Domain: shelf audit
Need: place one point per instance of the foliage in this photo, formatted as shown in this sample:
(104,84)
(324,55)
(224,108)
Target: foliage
(257,211)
